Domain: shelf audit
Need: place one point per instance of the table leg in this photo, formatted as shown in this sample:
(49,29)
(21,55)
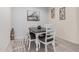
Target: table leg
(36,42)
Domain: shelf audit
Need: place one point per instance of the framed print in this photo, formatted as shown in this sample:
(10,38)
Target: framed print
(33,15)
(53,13)
(62,13)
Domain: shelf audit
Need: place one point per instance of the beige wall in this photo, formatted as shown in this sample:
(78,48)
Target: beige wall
(5,18)
(66,29)
(77,23)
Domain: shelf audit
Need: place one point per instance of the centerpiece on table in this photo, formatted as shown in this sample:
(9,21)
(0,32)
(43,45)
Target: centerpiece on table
(39,27)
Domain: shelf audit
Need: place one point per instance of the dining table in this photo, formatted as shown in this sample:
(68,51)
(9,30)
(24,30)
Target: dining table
(37,32)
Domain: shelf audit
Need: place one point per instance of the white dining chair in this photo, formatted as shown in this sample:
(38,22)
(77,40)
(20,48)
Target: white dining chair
(48,37)
(31,37)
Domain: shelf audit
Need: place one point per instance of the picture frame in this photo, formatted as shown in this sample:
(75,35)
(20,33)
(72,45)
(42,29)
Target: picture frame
(33,15)
(62,13)
(52,13)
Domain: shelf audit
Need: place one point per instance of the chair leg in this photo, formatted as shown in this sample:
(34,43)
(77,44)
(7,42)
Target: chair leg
(29,45)
(53,44)
(39,45)
(45,47)
(27,42)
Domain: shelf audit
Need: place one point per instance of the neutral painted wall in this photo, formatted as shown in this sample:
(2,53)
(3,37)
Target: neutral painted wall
(77,23)
(19,19)
(5,20)
(66,29)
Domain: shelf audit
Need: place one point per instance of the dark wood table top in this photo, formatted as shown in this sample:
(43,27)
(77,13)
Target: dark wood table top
(36,30)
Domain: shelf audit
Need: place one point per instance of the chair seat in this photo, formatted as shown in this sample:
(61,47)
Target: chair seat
(42,38)
(32,35)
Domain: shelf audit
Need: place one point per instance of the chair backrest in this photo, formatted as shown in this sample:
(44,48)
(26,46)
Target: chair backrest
(27,35)
(27,29)
(50,31)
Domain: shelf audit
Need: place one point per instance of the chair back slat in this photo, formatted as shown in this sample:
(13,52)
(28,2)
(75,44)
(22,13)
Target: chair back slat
(49,37)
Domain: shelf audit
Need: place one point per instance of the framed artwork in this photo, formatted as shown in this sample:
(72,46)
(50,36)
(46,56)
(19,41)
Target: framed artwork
(62,13)
(53,13)
(33,15)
